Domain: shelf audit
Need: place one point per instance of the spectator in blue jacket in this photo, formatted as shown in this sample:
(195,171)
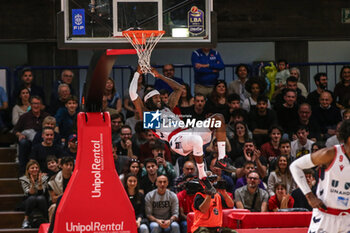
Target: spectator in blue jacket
(169,72)
(206,63)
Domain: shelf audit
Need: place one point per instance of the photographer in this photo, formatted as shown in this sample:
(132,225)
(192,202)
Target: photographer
(208,212)
(186,200)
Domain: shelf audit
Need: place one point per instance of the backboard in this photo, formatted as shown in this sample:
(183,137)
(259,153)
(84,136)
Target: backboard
(98,24)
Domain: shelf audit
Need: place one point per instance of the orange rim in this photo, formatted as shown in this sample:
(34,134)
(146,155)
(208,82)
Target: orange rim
(139,36)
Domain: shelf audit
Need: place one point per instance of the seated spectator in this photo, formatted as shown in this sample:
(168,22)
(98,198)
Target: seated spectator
(116,125)
(294,71)
(34,185)
(148,181)
(302,145)
(342,88)
(132,167)
(137,200)
(208,215)
(291,84)
(120,161)
(250,196)
(163,217)
(188,170)
(164,167)
(237,115)
(317,146)
(59,182)
(281,175)
(300,200)
(346,114)
(27,78)
(304,113)
(186,201)
(234,102)
(326,115)
(250,153)
(50,122)
(238,85)
(281,200)
(256,87)
(52,166)
(241,135)
(125,147)
(105,107)
(164,96)
(186,99)
(41,151)
(66,116)
(270,150)
(197,110)
(222,177)
(67,78)
(217,100)
(22,106)
(146,149)
(139,137)
(114,100)
(132,121)
(63,94)
(261,119)
(248,167)
(72,146)
(335,139)
(285,150)
(28,124)
(321,81)
(169,72)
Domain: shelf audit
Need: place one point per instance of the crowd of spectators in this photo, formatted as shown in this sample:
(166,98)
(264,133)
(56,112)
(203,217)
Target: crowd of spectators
(264,136)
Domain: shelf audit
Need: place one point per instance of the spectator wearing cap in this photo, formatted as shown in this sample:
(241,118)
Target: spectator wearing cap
(72,146)
(66,116)
(188,170)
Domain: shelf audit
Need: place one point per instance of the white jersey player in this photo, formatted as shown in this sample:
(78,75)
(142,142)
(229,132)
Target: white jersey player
(331,213)
(182,140)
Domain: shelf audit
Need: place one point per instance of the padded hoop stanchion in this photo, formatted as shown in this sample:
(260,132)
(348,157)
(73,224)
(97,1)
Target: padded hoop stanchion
(95,200)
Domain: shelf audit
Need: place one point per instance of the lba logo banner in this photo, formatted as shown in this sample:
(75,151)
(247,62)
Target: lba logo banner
(151,120)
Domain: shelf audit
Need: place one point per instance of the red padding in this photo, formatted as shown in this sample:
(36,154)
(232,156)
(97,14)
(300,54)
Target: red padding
(274,230)
(44,228)
(110,52)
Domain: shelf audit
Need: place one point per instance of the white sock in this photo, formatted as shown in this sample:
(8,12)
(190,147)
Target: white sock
(222,149)
(201,171)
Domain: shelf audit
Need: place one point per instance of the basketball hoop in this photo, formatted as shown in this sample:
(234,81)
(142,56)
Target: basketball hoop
(144,42)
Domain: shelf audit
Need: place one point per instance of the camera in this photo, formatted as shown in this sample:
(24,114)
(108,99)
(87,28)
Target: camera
(193,186)
(220,184)
(160,155)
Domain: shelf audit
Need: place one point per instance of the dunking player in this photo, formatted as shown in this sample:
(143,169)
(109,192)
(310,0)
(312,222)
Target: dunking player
(182,140)
(331,211)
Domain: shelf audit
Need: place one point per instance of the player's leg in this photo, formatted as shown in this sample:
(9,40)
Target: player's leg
(323,222)
(220,133)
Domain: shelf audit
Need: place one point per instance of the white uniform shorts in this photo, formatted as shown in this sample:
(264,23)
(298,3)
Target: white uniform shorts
(190,140)
(328,223)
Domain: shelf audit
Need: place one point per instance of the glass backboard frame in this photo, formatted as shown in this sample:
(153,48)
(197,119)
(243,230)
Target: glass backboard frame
(66,41)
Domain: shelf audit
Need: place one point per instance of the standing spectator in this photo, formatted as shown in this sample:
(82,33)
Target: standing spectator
(58,183)
(250,196)
(326,115)
(3,107)
(342,88)
(66,116)
(302,145)
(248,167)
(162,208)
(63,95)
(261,119)
(238,86)
(321,81)
(197,110)
(169,72)
(294,71)
(299,198)
(217,101)
(137,200)
(28,124)
(188,170)
(67,78)
(206,63)
(148,181)
(41,151)
(27,81)
(270,150)
(281,175)
(281,200)
(256,87)
(22,106)
(34,185)
(116,125)
(113,98)
(304,113)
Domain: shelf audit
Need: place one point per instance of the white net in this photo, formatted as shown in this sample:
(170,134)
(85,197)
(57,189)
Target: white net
(144,46)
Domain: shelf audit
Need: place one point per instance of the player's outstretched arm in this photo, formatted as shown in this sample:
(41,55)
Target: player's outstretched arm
(177,87)
(134,96)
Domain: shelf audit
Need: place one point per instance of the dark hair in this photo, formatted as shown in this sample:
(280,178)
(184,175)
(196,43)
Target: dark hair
(113,89)
(282,60)
(250,140)
(292,79)
(116,116)
(232,97)
(19,100)
(199,94)
(168,65)
(246,133)
(309,171)
(239,112)
(341,71)
(284,141)
(242,65)
(35,97)
(125,127)
(344,131)
(51,158)
(26,69)
(214,95)
(278,172)
(188,94)
(126,169)
(280,184)
(149,160)
(164,91)
(302,127)
(286,90)
(318,76)
(158,145)
(127,176)
(45,128)
(272,127)
(262,98)
(248,162)
(319,144)
(66,159)
(139,127)
(256,80)
(72,98)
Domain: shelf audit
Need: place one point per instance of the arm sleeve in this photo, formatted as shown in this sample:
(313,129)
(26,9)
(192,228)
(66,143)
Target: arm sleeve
(148,204)
(296,168)
(133,87)
(219,65)
(198,200)
(174,205)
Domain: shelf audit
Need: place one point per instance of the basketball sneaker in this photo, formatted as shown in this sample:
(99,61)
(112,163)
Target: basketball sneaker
(225,165)
(207,186)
